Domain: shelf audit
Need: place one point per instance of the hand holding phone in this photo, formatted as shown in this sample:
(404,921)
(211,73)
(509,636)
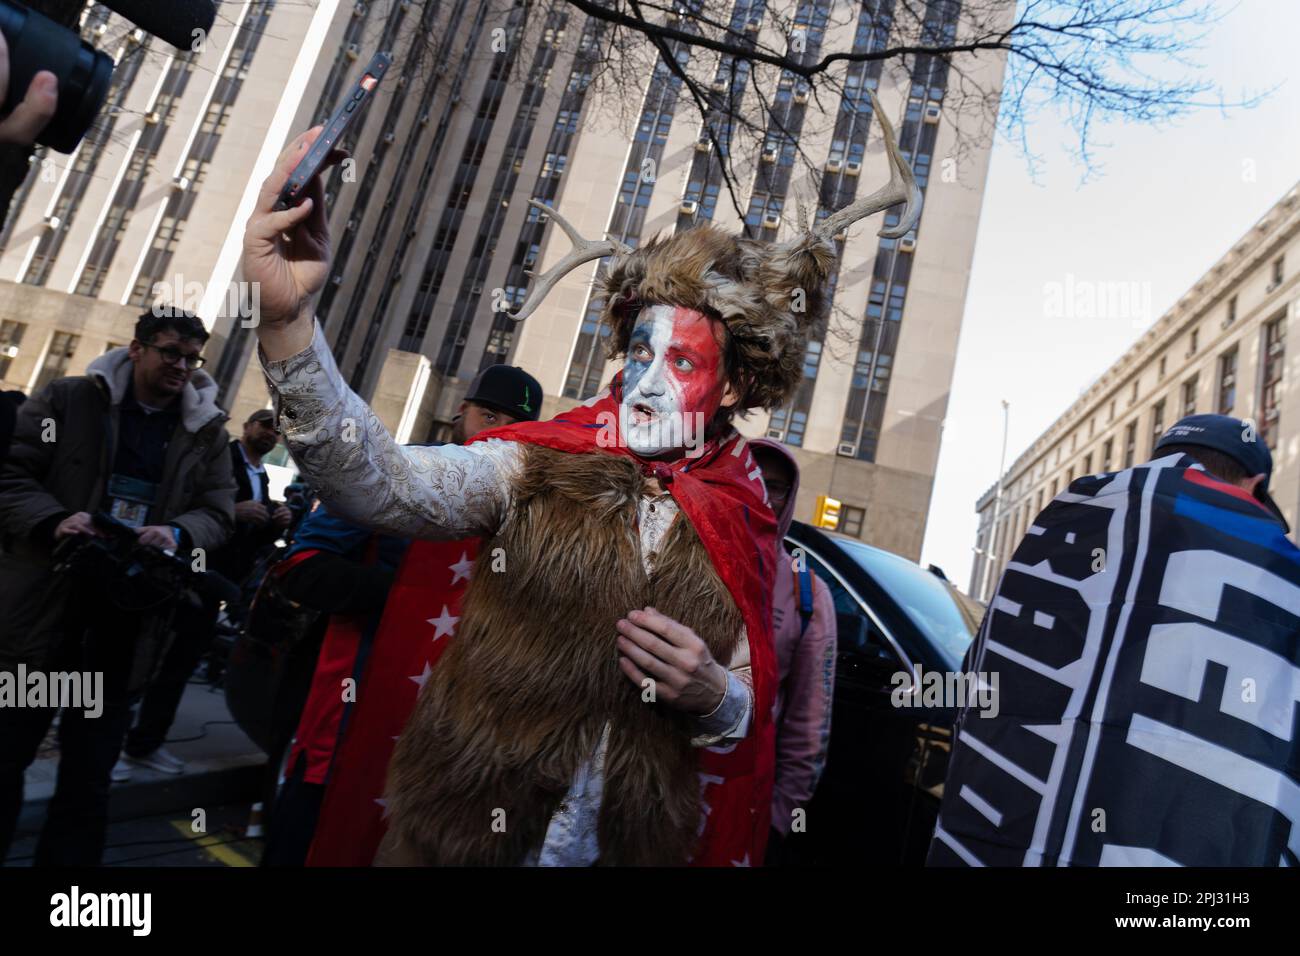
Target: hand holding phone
(287,250)
(310,165)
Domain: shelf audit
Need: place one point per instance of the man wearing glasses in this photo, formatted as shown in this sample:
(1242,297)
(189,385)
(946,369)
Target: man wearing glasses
(259,521)
(140,437)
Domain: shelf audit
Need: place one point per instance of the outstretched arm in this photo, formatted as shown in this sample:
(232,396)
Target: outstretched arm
(337,442)
(353,463)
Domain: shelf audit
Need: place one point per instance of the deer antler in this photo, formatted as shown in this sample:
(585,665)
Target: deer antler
(584,250)
(900,188)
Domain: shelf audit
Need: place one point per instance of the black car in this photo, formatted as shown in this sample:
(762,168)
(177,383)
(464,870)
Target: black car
(879,795)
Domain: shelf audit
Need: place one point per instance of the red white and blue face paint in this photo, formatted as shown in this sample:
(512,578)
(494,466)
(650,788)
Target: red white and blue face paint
(672,381)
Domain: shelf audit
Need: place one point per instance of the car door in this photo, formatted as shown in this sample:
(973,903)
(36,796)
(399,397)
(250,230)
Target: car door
(871,806)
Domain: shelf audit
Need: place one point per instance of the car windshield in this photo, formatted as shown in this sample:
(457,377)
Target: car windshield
(922,596)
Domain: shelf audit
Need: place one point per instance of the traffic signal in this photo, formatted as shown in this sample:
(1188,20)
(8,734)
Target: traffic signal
(827,514)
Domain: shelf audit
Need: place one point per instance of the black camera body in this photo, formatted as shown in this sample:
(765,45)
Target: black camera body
(135,576)
(37,43)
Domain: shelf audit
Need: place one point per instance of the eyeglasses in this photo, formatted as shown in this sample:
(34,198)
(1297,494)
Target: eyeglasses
(173,356)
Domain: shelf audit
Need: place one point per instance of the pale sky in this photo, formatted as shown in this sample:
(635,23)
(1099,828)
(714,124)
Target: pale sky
(1166,205)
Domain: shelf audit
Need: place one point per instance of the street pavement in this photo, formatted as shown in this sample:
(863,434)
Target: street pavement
(153,817)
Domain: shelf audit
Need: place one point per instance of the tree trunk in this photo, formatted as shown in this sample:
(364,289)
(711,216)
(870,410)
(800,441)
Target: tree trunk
(15,160)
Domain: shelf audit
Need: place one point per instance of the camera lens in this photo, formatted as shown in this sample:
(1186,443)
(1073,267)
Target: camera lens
(37,43)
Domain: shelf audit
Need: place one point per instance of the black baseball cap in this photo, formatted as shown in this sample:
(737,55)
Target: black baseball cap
(1238,439)
(509,389)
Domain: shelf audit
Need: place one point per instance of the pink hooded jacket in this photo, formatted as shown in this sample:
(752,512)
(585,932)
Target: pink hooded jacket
(805,661)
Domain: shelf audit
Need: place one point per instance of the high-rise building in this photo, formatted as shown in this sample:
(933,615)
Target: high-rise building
(434,238)
(1222,348)
(150,206)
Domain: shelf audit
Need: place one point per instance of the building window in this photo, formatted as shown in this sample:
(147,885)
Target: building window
(1192,342)
(1161,372)
(1227,381)
(1277,274)
(1157,423)
(1232,311)
(1134,397)
(1107,454)
(1189,397)
(851,520)
(1271,395)
(553,165)
(62,347)
(1087,464)
(11,336)
(1130,443)
(1112,411)
(566,121)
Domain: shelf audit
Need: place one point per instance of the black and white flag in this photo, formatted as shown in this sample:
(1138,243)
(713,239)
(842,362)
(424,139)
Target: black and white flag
(1146,634)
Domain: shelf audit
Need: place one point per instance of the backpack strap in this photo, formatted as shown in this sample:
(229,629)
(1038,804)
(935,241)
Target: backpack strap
(804,585)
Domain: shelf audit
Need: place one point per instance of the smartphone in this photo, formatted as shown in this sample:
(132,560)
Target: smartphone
(307,168)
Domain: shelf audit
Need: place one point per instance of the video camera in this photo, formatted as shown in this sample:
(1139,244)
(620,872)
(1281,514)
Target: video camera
(37,43)
(137,576)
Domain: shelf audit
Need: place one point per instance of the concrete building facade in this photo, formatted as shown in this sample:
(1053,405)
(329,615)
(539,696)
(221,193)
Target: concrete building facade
(434,239)
(150,206)
(1222,348)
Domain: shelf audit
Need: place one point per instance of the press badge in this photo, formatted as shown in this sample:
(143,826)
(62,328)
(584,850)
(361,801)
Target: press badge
(129,499)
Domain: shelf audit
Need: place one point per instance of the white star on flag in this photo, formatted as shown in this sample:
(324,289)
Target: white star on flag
(423,676)
(444,624)
(705,780)
(743,862)
(461,568)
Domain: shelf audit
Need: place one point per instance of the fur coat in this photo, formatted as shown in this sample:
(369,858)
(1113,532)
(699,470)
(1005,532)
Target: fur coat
(522,697)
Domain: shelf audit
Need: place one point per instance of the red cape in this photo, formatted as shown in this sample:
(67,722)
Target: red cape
(418,625)
(720,491)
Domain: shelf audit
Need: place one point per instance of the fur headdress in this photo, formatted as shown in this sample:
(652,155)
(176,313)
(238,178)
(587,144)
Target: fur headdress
(767,294)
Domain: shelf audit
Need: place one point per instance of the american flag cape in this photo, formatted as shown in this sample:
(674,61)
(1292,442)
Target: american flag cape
(1146,639)
(418,624)
(720,491)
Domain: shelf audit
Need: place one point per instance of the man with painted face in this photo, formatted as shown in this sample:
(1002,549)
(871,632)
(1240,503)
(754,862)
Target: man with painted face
(626,717)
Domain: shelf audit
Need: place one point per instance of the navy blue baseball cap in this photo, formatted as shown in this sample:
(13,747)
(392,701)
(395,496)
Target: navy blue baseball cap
(1239,440)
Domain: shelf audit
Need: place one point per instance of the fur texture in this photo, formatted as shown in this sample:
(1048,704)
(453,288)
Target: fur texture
(520,699)
(766,294)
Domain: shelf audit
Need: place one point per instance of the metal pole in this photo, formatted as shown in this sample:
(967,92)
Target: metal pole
(993,548)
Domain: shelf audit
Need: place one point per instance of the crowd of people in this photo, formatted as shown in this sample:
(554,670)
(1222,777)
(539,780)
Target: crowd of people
(583,641)
(138,439)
